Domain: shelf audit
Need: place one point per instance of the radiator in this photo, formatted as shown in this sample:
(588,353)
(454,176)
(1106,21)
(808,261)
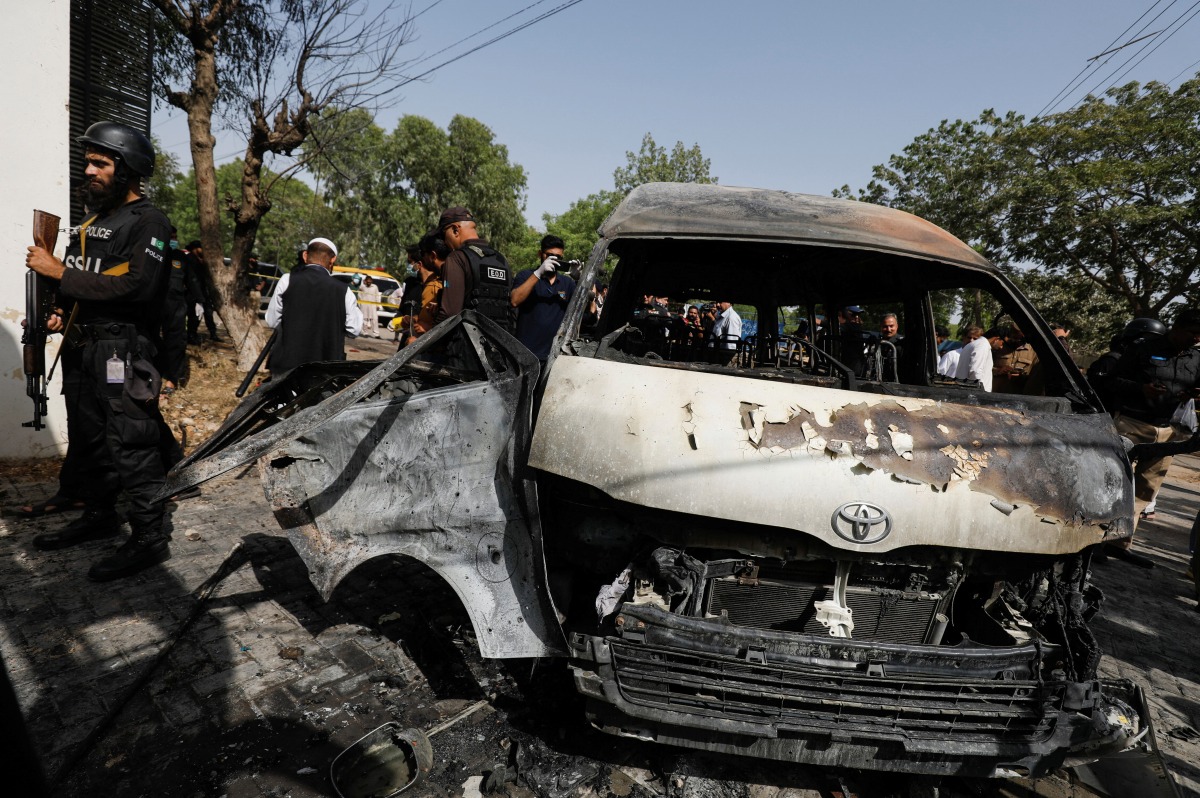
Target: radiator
(884,616)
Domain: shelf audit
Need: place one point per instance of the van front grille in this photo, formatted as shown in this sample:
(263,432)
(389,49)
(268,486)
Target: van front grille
(813,700)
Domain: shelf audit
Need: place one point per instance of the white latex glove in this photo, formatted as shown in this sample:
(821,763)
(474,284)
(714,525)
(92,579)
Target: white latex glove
(547,268)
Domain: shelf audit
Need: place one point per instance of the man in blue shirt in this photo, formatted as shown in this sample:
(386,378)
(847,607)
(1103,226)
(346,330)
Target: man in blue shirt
(540,296)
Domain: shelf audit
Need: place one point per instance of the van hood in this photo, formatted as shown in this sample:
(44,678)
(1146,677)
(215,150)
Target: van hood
(861,472)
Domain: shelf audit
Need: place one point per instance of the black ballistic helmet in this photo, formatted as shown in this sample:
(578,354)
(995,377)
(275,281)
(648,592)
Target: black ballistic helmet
(131,146)
(1144,328)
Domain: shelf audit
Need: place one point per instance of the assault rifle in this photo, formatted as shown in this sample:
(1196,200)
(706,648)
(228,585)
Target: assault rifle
(38,305)
(241,390)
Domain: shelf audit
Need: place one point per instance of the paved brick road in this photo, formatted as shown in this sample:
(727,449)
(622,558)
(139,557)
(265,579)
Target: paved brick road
(270,682)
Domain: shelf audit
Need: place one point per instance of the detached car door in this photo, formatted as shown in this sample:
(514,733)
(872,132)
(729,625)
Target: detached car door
(421,455)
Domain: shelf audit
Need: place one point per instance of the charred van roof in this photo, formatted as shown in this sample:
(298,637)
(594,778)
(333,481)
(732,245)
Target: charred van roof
(730,212)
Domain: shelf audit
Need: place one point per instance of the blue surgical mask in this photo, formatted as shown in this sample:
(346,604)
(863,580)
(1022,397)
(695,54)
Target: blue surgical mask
(174,244)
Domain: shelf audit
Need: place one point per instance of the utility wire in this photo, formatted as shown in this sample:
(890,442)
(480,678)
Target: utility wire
(501,37)
(1158,44)
(1129,43)
(423,10)
(1185,70)
(488,43)
(476,33)
(1093,67)
(1176,22)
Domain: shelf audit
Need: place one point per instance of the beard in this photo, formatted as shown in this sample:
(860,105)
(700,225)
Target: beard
(101,197)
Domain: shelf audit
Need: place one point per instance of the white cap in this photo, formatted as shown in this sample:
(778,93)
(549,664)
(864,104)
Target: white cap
(326,242)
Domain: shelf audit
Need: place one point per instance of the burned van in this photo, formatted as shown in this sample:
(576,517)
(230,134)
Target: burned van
(794,540)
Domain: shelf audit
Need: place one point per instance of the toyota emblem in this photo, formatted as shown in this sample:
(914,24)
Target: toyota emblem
(861,522)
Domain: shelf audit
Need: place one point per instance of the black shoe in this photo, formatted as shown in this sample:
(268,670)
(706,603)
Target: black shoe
(92,525)
(136,554)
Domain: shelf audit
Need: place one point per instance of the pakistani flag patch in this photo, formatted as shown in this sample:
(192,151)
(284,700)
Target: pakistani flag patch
(156,243)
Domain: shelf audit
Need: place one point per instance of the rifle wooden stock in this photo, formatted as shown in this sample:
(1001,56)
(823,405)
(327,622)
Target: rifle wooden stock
(38,295)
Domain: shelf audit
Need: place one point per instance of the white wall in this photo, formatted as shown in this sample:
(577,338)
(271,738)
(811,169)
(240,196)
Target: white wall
(35,61)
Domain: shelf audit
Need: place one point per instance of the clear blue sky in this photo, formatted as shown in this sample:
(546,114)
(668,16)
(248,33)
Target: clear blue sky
(802,96)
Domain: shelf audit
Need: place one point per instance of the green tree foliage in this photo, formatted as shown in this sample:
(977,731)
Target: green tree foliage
(578,224)
(953,176)
(653,164)
(358,174)
(297,214)
(387,190)
(162,188)
(1094,210)
(462,165)
(1108,192)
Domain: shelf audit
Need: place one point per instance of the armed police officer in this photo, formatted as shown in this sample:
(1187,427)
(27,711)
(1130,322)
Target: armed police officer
(115,275)
(475,276)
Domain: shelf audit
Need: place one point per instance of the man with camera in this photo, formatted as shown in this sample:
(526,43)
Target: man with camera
(541,296)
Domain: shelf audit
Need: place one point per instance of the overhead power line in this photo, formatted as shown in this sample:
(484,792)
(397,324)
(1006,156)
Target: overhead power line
(1092,67)
(1184,71)
(1126,44)
(517,29)
(490,42)
(1177,24)
(423,10)
(476,33)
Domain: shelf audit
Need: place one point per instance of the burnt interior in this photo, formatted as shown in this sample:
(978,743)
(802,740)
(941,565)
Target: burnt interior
(818,280)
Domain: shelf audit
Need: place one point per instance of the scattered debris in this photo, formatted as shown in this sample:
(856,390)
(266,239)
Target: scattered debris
(1186,733)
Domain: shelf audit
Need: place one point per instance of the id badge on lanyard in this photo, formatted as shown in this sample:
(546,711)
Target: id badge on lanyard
(114,370)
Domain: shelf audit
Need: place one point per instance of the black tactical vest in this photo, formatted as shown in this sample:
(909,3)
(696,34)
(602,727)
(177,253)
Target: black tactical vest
(491,290)
(314,319)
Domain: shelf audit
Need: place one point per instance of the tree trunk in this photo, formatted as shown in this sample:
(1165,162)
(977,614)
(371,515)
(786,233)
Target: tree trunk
(232,300)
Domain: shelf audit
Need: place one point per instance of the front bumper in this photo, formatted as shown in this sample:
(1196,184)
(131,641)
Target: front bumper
(943,710)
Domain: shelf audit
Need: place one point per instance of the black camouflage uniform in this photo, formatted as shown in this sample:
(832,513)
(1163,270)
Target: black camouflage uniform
(116,278)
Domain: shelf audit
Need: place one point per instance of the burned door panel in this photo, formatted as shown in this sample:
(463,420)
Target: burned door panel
(429,478)
(416,456)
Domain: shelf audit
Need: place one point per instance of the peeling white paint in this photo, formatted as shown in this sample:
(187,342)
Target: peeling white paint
(756,426)
(727,476)
(778,415)
(902,442)
(839,447)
